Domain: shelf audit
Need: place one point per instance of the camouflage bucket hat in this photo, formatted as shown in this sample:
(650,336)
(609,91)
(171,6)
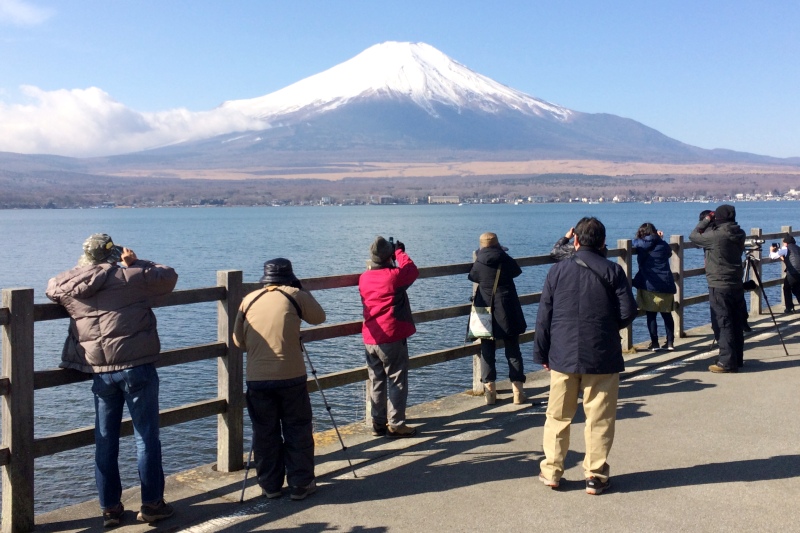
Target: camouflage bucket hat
(99,248)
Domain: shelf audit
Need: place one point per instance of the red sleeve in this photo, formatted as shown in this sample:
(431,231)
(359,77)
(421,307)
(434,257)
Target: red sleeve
(407,271)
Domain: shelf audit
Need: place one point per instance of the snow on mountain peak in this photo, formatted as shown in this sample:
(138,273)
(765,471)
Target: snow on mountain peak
(396,69)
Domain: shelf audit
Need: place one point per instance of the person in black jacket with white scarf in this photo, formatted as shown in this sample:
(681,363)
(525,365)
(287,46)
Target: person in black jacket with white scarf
(508,321)
(585,301)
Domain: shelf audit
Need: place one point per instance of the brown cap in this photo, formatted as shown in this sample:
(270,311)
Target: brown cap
(490,239)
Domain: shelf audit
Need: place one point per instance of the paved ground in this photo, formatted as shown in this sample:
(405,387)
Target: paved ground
(694,451)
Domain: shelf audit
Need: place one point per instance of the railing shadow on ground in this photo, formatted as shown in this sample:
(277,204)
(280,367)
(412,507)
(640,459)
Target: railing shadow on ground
(18,315)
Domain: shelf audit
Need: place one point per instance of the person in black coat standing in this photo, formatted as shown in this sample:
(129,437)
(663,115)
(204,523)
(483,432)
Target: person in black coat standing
(585,301)
(508,321)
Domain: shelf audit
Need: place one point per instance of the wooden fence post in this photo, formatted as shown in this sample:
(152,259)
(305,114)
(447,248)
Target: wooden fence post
(677,267)
(17,411)
(787,230)
(230,375)
(625,261)
(477,384)
(755,296)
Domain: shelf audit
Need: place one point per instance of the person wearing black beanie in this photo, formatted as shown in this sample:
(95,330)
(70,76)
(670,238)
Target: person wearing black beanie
(723,242)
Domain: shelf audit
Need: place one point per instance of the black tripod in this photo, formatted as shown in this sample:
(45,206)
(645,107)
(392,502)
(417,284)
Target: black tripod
(749,284)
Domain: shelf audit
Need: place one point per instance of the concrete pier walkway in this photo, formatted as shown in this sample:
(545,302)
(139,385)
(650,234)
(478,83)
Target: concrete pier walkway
(694,451)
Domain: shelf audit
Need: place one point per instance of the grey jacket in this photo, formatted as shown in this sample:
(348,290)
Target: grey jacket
(112,325)
(724,246)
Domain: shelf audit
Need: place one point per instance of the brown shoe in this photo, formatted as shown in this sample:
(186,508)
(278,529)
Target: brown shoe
(715,368)
(400,432)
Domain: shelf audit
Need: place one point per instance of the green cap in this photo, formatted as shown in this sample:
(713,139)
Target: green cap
(99,248)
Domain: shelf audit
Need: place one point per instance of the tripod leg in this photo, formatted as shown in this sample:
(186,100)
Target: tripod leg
(327,407)
(763,292)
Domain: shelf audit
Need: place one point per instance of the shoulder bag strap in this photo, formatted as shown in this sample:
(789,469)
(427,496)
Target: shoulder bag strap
(268,289)
(494,287)
(609,288)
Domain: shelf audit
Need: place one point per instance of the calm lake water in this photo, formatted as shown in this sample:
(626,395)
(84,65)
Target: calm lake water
(320,241)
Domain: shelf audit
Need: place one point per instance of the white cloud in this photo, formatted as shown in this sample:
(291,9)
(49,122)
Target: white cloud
(88,122)
(21,13)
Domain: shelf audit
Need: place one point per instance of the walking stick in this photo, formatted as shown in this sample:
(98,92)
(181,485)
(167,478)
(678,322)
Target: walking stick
(246,471)
(327,407)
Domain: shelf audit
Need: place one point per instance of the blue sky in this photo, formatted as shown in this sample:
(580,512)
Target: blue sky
(712,74)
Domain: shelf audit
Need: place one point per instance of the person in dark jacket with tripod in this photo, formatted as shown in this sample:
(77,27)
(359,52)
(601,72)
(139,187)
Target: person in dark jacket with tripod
(723,240)
(585,301)
(655,286)
(493,263)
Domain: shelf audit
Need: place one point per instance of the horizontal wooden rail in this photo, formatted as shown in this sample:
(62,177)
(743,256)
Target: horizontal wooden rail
(45,379)
(69,440)
(53,311)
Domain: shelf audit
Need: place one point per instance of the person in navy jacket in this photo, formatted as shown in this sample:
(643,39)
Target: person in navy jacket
(655,286)
(585,301)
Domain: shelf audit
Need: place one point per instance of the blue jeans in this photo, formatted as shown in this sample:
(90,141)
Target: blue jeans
(138,387)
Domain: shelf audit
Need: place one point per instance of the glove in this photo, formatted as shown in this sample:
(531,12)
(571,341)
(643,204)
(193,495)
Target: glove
(399,246)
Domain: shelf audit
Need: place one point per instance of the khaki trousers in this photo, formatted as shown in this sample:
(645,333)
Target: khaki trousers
(600,392)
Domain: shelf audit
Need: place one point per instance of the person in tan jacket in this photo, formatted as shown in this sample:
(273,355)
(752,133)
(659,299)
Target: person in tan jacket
(268,328)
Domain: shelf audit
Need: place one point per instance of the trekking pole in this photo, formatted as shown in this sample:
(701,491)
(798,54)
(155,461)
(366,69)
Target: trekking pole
(246,471)
(327,407)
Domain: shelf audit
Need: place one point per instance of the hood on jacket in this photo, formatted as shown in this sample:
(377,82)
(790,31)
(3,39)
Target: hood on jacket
(490,256)
(81,282)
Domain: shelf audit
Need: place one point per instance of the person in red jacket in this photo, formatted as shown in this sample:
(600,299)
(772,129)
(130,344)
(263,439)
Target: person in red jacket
(387,325)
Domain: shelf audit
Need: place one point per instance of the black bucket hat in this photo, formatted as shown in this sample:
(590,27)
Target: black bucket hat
(278,271)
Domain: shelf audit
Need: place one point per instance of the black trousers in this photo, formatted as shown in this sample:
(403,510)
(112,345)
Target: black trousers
(283,440)
(726,308)
(513,354)
(789,289)
(669,326)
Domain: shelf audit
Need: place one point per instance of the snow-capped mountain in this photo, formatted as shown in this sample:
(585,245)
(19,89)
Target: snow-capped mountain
(396,70)
(410,102)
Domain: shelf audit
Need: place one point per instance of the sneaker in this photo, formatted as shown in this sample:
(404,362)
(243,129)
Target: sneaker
(300,493)
(717,369)
(272,494)
(653,347)
(112,516)
(378,430)
(669,347)
(399,432)
(157,511)
(788,311)
(595,487)
(549,482)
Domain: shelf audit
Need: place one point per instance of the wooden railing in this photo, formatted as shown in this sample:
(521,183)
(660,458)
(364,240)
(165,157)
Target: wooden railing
(18,380)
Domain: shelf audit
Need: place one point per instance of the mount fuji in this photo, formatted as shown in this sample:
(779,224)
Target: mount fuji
(401,101)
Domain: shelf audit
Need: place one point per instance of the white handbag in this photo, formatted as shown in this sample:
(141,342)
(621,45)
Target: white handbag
(480,318)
